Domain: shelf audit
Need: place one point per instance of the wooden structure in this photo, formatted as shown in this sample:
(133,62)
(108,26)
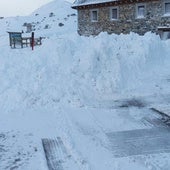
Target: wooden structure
(29,27)
(16,39)
(164,32)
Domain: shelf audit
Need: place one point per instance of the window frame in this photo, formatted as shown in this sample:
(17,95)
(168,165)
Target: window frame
(111,16)
(91,15)
(165,2)
(137,11)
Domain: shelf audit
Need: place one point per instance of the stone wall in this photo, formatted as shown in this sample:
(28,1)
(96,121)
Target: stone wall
(127,21)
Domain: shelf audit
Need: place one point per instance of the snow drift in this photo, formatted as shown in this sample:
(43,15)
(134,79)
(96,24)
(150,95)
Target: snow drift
(83,70)
(75,69)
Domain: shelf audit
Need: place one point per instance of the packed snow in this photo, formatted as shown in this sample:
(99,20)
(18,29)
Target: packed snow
(83,90)
(88,2)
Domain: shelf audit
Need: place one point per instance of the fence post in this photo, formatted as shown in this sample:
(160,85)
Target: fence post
(32,40)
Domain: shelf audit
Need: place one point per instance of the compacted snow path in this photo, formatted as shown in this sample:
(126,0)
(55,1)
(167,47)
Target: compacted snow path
(57,155)
(140,142)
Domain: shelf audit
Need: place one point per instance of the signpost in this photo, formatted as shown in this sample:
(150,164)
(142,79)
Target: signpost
(15,38)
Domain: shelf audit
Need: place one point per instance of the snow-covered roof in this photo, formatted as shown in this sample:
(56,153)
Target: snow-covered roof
(89,2)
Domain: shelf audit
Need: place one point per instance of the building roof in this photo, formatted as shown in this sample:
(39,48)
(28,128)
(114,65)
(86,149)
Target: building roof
(89,2)
(82,4)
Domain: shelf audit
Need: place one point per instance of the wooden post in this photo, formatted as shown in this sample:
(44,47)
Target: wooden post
(32,40)
(21,43)
(10,39)
(40,40)
(14,42)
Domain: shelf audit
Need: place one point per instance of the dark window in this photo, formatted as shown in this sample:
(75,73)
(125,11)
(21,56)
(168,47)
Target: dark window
(94,15)
(141,11)
(114,13)
(167,8)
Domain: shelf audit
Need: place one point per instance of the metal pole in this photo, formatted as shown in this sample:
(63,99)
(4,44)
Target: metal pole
(32,40)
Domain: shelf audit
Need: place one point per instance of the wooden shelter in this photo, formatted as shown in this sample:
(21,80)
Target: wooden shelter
(16,39)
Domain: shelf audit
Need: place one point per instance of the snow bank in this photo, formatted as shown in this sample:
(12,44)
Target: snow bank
(83,70)
(75,69)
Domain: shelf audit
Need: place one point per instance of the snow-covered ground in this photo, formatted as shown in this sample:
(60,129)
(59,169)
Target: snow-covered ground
(83,90)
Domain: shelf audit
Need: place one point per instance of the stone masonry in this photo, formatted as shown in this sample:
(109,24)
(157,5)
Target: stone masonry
(127,21)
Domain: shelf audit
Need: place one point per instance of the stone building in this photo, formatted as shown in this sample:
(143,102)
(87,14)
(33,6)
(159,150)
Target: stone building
(122,16)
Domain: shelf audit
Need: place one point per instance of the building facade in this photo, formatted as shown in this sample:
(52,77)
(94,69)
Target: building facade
(122,16)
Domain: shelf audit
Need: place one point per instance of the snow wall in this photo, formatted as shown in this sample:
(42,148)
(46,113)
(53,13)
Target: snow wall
(82,70)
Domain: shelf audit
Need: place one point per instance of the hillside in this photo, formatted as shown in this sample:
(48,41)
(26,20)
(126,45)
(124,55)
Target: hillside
(80,90)
(45,20)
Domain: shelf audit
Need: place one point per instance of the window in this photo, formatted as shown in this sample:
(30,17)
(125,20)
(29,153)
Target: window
(114,13)
(167,8)
(94,15)
(140,11)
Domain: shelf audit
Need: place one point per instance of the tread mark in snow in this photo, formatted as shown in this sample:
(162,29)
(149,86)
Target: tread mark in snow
(56,154)
(140,142)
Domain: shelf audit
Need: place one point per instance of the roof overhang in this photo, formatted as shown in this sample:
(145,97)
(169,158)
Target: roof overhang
(107,4)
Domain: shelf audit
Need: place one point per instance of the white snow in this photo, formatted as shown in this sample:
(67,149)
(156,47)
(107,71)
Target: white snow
(80,89)
(88,2)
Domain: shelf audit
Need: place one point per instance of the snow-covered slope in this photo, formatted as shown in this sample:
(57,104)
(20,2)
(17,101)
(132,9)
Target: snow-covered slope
(54,18)
(79,89)
(61,8)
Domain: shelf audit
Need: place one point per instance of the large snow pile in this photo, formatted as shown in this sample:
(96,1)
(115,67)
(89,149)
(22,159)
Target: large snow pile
(68,85)
(84,70)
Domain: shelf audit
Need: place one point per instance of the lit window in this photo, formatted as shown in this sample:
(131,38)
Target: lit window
(94,15)
(140,11)
(114,13)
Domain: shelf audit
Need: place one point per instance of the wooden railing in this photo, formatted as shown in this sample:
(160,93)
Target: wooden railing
(25,41)
(16,39)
